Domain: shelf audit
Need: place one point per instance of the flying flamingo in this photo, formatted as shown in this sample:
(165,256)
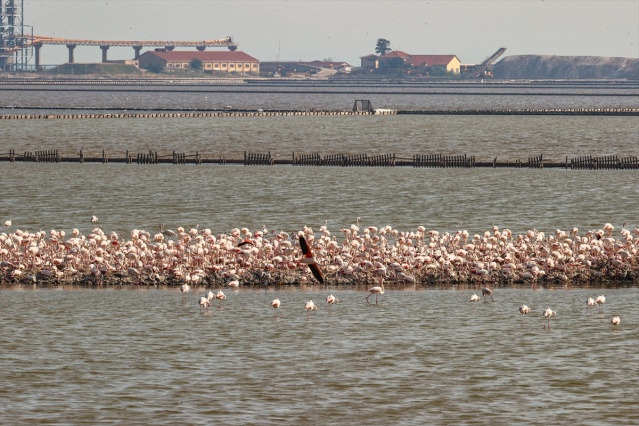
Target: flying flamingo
(474,298)
(331,300)
(523,309)
(485,291)
(310,260)
(204,303)
(377,290)
(615,321)
(549,313)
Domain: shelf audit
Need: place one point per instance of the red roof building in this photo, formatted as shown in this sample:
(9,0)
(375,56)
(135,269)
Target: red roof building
(212,61)
(449,62)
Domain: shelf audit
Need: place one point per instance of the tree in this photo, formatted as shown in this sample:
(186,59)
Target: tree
(196,64)
(155,68)
(382,47)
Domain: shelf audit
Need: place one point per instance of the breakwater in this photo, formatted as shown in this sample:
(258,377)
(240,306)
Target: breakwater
(132,113)
(585,162)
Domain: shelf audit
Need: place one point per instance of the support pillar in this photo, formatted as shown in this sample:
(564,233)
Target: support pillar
(71,47)
(104,52)
(37,48)
(137,50)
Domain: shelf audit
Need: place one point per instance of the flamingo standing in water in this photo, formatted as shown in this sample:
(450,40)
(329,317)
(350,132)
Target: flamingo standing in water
(485,291)
(331,300)
(204,303)
(600,300)
(615,321)
(590,302)
(310,306)
(184,288)
(7,223)
(220,295)
(275,303)
(377,290)
(94,219)
(548,313)
(474,298)
(309,260)
(523,309)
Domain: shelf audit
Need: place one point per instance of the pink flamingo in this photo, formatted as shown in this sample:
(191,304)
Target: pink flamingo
(615,321)
(310,260)
(204,303)
(474,298)
(523,309)
(485,291)
(548,313)
(377,290)
(184,288)
(310,306)
(275,303)
(331,300)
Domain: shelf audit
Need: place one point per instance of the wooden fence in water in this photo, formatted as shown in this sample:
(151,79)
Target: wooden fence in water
(609,162)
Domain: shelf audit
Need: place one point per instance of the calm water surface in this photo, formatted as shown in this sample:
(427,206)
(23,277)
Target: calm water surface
(75,356)
(419,357)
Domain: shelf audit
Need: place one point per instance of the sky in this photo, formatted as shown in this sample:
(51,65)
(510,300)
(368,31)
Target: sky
(345,30)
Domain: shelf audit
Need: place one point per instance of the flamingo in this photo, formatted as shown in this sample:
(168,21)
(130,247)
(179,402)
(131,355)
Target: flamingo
(220,295)
(377,290)
(275,303)
(184,288)
(331,300)
(523,309)
(549,313)
(485,291)
(7,223)
(204,303)
(600,300)
(590,302)
(234,284)
(615,321)
(94,219)
(474,298)
(310,260)
(210,295)
(310,306)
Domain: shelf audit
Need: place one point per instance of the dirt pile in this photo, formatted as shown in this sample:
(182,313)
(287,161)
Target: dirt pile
(566,67)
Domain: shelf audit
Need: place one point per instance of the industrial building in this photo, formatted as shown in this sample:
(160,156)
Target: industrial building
(212,61)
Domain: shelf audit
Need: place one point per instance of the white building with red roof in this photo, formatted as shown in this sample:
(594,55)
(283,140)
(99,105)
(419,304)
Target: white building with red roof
(212,61)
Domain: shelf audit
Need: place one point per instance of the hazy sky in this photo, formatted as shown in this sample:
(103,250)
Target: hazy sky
(345,30)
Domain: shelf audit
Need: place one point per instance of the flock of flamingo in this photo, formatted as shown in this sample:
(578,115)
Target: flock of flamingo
(355,255)
(359,255)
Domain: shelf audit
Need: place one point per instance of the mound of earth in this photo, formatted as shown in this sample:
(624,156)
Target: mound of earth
(566,67)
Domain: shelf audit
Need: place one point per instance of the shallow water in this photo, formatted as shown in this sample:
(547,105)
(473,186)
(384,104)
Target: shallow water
(127,356)
(87,356)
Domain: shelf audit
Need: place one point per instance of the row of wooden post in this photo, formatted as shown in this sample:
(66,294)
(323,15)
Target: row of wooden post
(607,162)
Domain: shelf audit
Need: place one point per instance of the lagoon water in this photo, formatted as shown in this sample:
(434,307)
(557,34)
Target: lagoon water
(422,356)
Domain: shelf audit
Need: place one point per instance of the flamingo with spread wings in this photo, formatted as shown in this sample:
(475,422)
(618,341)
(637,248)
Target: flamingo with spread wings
(310,260)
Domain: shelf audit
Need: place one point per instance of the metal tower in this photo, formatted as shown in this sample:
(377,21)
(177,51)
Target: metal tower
(15,37)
